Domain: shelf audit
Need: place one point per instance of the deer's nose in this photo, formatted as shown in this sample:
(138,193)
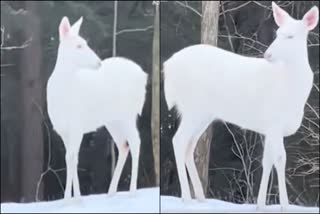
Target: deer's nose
(99,64)
(267,56)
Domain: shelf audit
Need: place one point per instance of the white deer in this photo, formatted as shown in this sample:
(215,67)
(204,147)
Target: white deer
(84,93)
(266,95)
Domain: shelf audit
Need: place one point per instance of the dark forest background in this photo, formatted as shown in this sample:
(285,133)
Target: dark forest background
(247,28)
(29,35)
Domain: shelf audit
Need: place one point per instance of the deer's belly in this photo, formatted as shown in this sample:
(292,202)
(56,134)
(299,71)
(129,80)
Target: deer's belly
(293,123)
(91,116)
(262,118)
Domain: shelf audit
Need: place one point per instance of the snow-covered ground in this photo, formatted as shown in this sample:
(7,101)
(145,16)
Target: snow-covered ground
(171,204)
(145,201)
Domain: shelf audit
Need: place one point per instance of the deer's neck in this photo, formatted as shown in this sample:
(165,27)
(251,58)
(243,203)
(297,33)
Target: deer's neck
(299,65)
(299,78)
(299,68)
(64,67)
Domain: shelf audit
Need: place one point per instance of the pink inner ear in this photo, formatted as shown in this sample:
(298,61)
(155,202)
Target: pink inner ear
(64,28)
(279,17)
(310,19)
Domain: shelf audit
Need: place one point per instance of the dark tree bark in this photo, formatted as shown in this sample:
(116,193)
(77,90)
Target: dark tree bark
(155,118)
(32,103)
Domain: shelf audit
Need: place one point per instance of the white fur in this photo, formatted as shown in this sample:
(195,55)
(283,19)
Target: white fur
(263,95)
(84,93)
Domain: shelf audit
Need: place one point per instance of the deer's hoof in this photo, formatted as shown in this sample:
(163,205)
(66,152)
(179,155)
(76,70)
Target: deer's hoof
(201,199)
(132,194)
(111,194)
(186,199)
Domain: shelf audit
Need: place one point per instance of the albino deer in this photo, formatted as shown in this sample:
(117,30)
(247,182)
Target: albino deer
(266,95)
(84,93)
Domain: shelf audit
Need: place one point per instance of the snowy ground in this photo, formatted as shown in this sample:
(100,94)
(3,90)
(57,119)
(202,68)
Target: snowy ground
(145,200)
(171,204)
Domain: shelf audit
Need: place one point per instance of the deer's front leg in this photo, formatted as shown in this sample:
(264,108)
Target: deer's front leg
(266,169)
(280,165)
(274,153)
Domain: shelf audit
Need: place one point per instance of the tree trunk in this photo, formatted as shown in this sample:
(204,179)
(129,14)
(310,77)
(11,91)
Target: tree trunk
(210,21)
(32,104)
(209,35)
(114,54)
(155,117)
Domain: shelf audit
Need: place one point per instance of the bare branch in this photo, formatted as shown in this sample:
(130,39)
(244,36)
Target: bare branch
(262,5)
(235,8)
(2,36)
(316,87)
(244,38)
(227,28)
(134,30)
(6,65)
(186,5)
(313,110)
(8,48)
(115,20)
(157,3)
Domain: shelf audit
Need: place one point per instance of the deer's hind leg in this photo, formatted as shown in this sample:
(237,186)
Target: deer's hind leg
(123,150)
(190,161)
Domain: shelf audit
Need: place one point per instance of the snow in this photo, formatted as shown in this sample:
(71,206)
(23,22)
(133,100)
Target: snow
(145,200)
(170,204)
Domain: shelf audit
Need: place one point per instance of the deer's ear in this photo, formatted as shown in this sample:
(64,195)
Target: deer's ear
(76,26)
(64,28)
(311,18)
(280,15)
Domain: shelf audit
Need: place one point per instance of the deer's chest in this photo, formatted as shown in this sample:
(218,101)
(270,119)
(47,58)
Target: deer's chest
(294,103)
(58,102)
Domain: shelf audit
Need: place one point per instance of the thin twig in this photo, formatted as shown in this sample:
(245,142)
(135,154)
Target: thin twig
(24,45)
(189,7)
(134,30)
